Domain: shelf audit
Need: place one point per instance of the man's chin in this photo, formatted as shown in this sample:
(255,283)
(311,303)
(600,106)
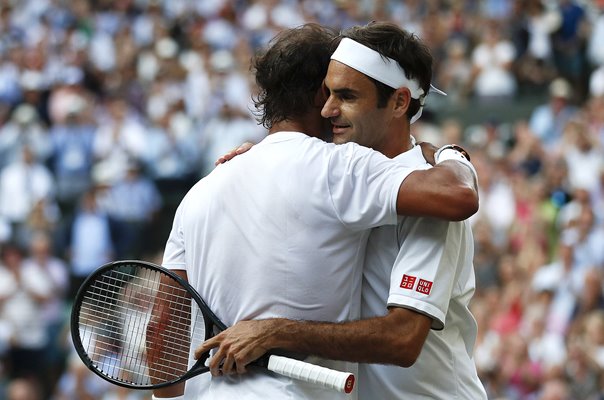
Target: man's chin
(340,139)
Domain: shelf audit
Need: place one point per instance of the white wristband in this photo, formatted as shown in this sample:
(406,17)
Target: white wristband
(451,152)
(168,398)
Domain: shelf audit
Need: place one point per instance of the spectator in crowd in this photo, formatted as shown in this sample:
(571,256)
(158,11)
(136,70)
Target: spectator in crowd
(535,66)
(569,42)
(594,114)
(581,371)
(593,324)
(228,129)
(89,242)
(119,137)
(24,184)
(48,277)
(594,52)
(171,154)
(22,389)
(455,74)
(596,82)
(554,389)
(597,199)
(549,120)
(580,151)
(72,143)
(21,308)
(563,278)
(492,59)
(79,383)
(23,129)
(131,203)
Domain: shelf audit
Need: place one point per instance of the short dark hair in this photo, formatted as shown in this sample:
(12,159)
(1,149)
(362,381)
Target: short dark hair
(290,72)
(404,47)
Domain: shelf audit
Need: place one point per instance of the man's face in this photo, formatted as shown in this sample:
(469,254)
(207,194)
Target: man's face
(351,107)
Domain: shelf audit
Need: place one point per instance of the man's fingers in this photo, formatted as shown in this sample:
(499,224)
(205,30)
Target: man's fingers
(234,153)
(241,364)
(226,157)
(228,365)
(244,147)
(428,150)
(206,346)
(216,364)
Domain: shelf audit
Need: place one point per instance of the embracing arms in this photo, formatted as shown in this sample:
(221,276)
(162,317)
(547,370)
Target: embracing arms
(396,338)
(448,191)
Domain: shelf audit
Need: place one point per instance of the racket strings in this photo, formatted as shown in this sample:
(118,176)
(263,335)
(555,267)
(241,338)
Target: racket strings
(136,327)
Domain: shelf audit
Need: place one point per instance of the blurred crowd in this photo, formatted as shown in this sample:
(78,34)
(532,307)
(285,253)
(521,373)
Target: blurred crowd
(111,109)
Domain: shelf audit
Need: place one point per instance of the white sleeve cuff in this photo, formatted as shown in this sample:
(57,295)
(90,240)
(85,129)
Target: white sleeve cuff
(168,398)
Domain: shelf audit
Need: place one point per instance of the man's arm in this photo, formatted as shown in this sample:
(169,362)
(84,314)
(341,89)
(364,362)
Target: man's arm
(448,191)
(396,338)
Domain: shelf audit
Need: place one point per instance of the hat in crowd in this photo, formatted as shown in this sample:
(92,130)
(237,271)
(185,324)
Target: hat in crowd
(560,88)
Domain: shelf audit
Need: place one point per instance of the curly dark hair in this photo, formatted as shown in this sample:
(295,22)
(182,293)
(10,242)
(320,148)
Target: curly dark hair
(404,47)
(290,72)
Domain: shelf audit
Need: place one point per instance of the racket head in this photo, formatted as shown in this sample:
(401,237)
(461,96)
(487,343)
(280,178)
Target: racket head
(133,324)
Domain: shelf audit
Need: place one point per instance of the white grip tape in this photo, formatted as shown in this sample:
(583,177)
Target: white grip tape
(315,374)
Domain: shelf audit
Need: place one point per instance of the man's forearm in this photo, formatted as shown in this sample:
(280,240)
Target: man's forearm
(393,339)
(448,191)
(359,342)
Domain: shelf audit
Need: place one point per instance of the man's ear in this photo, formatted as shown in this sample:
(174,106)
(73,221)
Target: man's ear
(402,99)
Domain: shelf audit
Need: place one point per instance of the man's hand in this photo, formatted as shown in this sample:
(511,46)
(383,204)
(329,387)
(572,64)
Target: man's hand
(428,150)
(234,153)
(238,346)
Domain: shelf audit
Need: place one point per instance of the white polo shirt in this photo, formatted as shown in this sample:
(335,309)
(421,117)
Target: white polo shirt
(433,274)
(281,231)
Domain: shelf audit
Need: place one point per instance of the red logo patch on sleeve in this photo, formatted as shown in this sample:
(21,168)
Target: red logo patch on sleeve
(408,282)
(424,286)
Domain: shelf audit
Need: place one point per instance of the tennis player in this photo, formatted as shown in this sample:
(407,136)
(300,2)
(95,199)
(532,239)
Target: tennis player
(281,230)
(416,313)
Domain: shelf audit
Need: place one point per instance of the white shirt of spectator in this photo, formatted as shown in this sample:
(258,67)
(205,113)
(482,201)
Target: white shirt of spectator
(21,187)
(494,79)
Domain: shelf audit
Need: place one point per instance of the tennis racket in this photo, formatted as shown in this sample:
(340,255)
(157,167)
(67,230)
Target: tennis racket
(133,323)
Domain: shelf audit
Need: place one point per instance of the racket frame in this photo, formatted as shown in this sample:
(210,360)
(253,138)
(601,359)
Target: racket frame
(293,368)
(210,319)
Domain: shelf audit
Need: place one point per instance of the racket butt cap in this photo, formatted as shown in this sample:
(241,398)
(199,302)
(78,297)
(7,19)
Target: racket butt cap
(349,386)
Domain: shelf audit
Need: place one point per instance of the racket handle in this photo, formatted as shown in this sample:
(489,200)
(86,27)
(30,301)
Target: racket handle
(315,374)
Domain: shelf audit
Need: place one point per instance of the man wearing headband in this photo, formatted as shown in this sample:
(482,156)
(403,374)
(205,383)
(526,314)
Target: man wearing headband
(423,301)
(416,314)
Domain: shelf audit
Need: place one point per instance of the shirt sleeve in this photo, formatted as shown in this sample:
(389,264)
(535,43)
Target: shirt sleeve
(424,272)
(363,186)
(174,252)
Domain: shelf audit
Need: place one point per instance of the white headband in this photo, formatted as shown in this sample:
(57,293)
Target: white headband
(381,68)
